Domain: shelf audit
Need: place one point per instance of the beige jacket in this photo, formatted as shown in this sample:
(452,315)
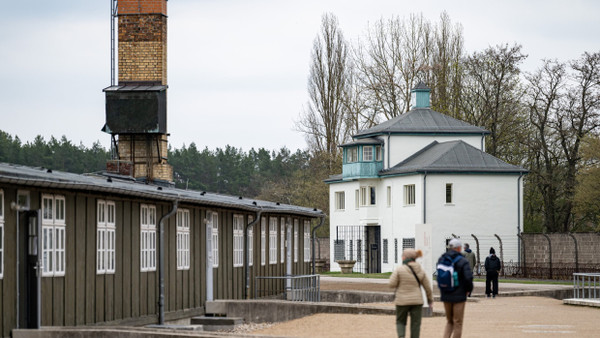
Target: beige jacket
(407,288)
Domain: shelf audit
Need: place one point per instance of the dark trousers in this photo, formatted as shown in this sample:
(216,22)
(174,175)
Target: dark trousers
(491,283)
(416,312)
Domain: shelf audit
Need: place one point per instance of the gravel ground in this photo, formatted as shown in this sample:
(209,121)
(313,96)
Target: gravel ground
(501,317)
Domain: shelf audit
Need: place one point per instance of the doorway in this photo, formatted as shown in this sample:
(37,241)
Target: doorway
(29,270)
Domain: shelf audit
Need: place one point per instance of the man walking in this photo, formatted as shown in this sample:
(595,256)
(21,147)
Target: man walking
(456,298)
(470,256)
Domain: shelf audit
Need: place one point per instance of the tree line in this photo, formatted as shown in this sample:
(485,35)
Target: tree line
(545,120)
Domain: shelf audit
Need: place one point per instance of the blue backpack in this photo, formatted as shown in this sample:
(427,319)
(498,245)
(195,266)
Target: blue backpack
(447,277)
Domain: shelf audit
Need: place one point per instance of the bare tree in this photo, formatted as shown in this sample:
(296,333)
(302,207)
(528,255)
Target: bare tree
(323,119)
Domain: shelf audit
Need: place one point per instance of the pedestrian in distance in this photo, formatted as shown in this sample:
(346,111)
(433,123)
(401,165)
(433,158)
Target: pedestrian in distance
(407,279)
(470,257)
(455,280)
(492,268)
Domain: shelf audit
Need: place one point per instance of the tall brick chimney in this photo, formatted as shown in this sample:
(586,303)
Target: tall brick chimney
(136,114)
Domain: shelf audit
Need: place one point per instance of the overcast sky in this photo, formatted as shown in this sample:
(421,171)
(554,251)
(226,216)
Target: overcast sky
(237,70)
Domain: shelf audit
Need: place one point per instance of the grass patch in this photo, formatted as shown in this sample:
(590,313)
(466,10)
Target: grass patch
(384,275)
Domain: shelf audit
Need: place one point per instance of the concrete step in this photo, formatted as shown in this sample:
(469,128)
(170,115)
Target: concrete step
(217,323)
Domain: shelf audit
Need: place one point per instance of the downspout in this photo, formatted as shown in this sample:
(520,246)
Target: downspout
(388,151)
(519,214)
(161,264)
(17,208)
(425,198)
(313,242)
(246,258)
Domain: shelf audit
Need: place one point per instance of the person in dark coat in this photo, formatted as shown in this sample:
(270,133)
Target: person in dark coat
(455,300)
(492,268)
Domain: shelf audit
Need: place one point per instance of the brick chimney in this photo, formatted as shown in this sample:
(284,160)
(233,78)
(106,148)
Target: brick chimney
(136,114)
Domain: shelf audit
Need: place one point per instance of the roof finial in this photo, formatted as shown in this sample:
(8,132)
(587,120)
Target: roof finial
(420,96)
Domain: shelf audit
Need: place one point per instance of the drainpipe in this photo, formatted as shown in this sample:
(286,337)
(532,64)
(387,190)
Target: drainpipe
(246,258)
(425,198)
(519,214)
(17,208)
(388,151)
(313,242)
(161,264)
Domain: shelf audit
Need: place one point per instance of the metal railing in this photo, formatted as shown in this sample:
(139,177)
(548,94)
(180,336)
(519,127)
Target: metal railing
(586,286)
(305,288)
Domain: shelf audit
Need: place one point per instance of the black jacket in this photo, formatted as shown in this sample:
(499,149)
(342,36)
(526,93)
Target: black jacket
(465,280)
(492,263)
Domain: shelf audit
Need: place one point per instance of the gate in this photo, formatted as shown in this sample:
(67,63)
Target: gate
(360,243)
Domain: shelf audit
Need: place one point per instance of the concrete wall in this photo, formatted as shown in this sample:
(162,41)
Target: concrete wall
(563,248)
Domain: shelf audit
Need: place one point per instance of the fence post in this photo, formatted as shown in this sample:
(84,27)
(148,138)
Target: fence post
(478,261)
(576,252)
(550,252)
(501,255)
(523,262)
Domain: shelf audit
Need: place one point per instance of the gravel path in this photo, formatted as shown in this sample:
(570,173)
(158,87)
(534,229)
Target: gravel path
(501,317)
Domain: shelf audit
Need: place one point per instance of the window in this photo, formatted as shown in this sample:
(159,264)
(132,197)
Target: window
(238,240)
(408,243)
(367,195)
(148,238)
(183,239)
(395,250)
(307,241)
(272,240)
(385,250)
(389,196)
(351,155)
(340,200)
(53,235)
(215,238)
(359,250)
(448,193)
(263,240)
(378,156)
(282,239)
(356,198)
(296,243)
(367,153)
(409,194)
(1,233)
(105,238)
(250,241)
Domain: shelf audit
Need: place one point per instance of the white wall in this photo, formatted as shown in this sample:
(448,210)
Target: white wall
(403,146)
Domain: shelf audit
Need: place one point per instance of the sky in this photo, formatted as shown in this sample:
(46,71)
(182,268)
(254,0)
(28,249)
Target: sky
(237,69)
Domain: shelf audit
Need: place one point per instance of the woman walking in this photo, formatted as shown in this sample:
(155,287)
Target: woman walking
(407,279)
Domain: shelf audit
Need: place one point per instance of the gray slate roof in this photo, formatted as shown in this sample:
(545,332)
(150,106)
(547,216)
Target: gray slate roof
(422,121)
(366,140)
(44,178)
(452,156)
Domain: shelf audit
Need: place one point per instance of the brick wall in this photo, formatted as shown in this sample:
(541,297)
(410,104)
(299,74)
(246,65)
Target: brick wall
(563,248)
(142,7)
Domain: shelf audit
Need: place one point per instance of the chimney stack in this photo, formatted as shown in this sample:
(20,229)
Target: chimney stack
(136,114)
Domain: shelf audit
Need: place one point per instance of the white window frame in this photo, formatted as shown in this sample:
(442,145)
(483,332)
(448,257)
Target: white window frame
(250,241)
(238,240)
(215,238)
(340,200)
(451,187)
(105,236)
(263,241)
(410,194)
(356,199)
(183,239)
(389,196)
(272,240)
(367,193)
(306,241)
(378,153)
(352,155)
(367,153)
(147,237)
(296,243)
(53,235)
(1,233)
(282,240)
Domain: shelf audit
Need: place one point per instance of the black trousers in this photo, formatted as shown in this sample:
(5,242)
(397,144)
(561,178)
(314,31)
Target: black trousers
(491,283)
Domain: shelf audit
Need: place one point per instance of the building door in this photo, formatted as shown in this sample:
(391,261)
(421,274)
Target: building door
(30,274)
(373,234)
